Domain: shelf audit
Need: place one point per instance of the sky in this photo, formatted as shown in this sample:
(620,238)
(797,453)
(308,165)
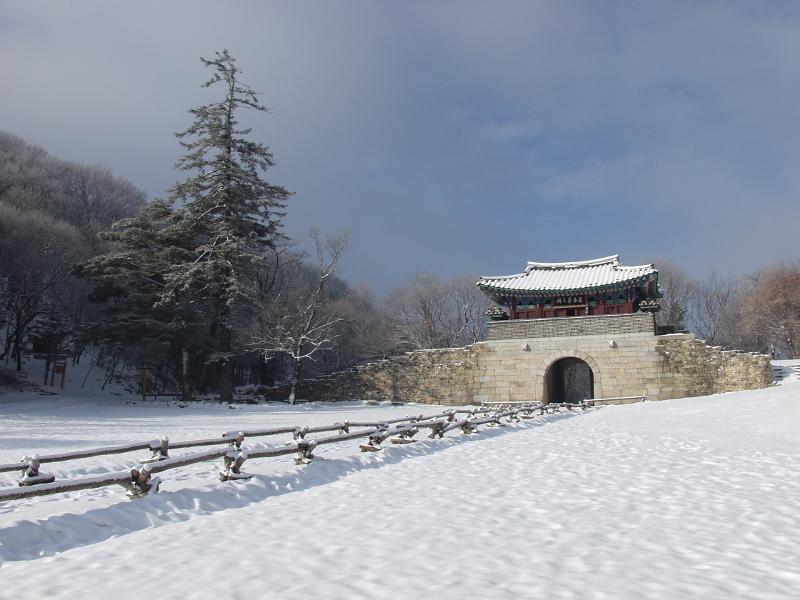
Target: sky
(450,137)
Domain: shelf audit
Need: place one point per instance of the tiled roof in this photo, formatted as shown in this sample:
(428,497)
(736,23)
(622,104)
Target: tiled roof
(584,275)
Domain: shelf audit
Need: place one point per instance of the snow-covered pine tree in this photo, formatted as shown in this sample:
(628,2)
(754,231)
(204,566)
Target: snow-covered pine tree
(236,214)
(142,314)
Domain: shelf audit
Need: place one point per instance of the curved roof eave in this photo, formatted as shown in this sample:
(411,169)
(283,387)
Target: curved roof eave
(540,292)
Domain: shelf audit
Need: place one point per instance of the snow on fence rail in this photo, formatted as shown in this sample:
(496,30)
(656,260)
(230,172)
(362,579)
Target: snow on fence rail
(139,481)
(617,400)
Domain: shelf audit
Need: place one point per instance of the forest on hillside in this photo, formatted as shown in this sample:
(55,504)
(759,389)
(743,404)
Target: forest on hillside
(202,288)
(205,289)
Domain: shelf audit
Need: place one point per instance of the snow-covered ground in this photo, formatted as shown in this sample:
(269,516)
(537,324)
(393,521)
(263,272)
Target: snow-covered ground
(690,498)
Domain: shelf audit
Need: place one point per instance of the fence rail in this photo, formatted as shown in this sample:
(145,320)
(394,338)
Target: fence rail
(161,447)
(617,400)
(139,481)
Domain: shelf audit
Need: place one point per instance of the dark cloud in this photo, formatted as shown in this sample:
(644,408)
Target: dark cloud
(451,136)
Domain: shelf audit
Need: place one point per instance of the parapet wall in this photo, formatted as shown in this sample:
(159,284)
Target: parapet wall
(629,364)
(571,326)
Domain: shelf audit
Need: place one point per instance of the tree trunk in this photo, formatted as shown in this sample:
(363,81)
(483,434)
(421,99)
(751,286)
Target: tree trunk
(297,371)
(225,364)
(18,347)
(226,381)
(264,376)
(9,339)
(793,340)
(186,384)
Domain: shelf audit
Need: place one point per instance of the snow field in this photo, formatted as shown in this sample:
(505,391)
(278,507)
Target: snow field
(679,499)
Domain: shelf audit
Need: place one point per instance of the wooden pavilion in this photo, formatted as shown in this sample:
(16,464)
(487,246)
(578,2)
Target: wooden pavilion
(601,286)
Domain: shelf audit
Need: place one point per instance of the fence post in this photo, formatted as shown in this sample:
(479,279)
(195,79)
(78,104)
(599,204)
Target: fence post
(140,484)
(374,443)
(238,440)
(160,452)
(305,451)
(468,427)
(404,436)
(31,475)
(233,460)
(436,429)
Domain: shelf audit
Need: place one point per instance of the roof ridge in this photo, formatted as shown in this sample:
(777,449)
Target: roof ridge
(606,260)
(501,276)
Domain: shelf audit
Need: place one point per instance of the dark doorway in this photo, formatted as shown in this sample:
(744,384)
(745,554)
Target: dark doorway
(569,380)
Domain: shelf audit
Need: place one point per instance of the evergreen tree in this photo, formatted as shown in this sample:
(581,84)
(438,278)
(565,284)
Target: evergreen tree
(141,314)
(234,213)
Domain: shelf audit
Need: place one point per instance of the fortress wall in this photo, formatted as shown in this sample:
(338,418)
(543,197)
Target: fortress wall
(514,369)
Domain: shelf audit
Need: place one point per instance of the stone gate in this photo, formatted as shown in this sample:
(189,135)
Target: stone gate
(626,358)
(558,332)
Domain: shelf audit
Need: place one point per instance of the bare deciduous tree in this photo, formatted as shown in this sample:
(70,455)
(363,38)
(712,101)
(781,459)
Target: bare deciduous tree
(99,199)
(771,309)
(677,289)
(36,255)
(430,312)
(714,312)
(293,322)
(87,197)
(364,332)
(46,225)
(472,305)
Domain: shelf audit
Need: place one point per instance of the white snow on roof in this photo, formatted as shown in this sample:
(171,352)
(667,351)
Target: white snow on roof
(614,259)
(567,276)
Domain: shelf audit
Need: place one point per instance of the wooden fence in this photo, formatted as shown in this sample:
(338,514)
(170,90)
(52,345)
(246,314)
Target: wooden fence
(139,481)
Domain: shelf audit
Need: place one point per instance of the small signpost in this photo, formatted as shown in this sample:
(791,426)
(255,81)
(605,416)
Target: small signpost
(54,364)
(59,368)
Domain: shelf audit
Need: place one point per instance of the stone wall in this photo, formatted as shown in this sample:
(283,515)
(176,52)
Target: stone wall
(571,326)
(635,364)
(698,370)
(428,376)
(628,364)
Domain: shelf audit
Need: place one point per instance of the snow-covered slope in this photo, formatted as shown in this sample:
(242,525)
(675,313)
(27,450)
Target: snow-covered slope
(679,499)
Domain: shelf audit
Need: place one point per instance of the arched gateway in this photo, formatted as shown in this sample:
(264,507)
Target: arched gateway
(581,321)
(570,380)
